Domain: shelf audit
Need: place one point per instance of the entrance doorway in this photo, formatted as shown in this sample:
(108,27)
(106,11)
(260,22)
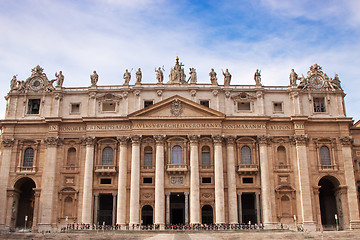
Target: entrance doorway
(330,203)
(147,215)
(105,209)
(25,208)
(248,208)
(207,215)
(177,208)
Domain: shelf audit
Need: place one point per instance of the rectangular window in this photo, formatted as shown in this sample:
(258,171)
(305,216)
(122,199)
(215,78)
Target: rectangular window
(75,108)
(105,181)
(205,103)
(148,103)
(244,106)
(147,180)
(248,180)
(319,105)
(278,107)
(206,180)
(108,107)
(148,159)
(33,106)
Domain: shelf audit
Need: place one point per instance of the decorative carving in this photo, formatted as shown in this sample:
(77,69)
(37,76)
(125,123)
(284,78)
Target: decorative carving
(301,139)
(137,92)
(176,107)
(125,94)
(263,139)
(177,180)
(206,195)
(88,141)
(159,139)
(227,94)
(215,92)
(159,93)
(217,138)
(194,138)
(346,141)
(230,139)
(123,139)
(52,141)
(193,93)
(8,142)
(58,96)
(147,195)
(135,139)
(92,95)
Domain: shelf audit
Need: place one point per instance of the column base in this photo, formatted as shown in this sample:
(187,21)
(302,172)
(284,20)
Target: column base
(309,226)
(271,226)
(43,227)
(355,225)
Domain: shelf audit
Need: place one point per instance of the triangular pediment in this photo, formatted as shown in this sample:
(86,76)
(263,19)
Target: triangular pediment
(176,107)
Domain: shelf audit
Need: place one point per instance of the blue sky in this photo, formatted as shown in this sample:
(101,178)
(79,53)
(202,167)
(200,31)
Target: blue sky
(109,36)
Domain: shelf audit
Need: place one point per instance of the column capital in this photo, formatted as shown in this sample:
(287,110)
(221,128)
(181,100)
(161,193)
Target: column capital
(217,138)
(230,139)
(52,141)
(263,140)
(135,139)
(167,193)
(123,139)
(300,140)
(88,141)
(346,141)
(159,139)
(186,194)
(8,142)
(194,139)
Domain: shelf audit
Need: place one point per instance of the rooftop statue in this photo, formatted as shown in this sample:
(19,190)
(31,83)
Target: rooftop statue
(293,77)
(127,77)
(59,79)
(177,74)
(138,76)
(13,83)
(94,79)
(257,77)
(193,76)
(227,77)
(159,75)
(213,78)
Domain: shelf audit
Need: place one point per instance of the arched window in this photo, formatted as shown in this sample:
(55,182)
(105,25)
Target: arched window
(325,155)
(177,155)
(205,156)
(71,156)
(245,155)
(107,156)
(281,155)
(68,206)
(148,156)
(28,157)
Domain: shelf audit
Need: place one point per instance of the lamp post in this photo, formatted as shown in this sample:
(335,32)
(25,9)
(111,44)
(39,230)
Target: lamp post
(337,222)
(26,218)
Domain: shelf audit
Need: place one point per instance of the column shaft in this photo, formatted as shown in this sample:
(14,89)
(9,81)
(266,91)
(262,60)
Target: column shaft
(122,182)
(240,207)
(257,205)
(167,207)
(186,207)
(159,182)
(135,181)
(219,181)
(96,209)
(87,199)
(231,181)
(194,181)
(114,211)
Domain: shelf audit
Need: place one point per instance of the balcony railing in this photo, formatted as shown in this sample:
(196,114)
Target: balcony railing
(283,167)
(328,167)
(248,168)
(26,170)
(105,169)
(176,168)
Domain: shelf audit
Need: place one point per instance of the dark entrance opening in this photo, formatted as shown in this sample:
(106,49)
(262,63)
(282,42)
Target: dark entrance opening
(105,209)
(328,203)
(147,215)
(207,215)
(177,208)
(26,202)
(248,208)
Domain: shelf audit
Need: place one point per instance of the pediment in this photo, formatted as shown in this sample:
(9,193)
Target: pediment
(176,107)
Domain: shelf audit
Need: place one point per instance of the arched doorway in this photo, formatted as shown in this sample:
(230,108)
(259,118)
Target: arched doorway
(330,203)
(147,215)
(207,214)
(25,208)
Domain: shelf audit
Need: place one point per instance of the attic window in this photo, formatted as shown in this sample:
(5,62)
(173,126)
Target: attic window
(205,103)
(278,107)
(108,107)
(243,95)
(33,106)
(148,103)
(75,108)
(244,106)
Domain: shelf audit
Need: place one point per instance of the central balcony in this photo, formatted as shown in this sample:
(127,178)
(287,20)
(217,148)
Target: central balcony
(105,170)
(248,168)
(176,168)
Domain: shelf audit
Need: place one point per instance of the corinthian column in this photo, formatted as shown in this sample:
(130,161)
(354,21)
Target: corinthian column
(231,180)
(122,182)
(219,181)
(159,182)
(135,181)
(4,176)
(350,182)
(265,182)
(194,180)
(87,198)
(48,184)
(304,182)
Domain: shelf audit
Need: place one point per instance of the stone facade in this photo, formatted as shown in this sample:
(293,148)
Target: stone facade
(178,152)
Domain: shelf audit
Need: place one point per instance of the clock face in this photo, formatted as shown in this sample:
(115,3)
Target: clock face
(317,81)
(36,83)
